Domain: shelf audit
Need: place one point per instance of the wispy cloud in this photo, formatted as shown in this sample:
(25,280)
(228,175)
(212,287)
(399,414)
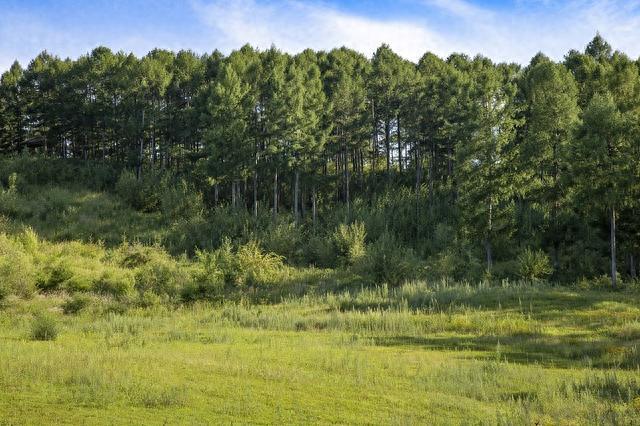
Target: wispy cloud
(513,34)
(510,32)
(294,26)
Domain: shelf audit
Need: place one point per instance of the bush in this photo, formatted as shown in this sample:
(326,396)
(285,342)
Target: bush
(4,291)
(320,252)
(12,183)
(17,270)
(349,242)
(54,275)
(247,265)
(387,262)
(161,275)
(141,194)
(44,327)
(534,265)
(76,304)
(181,201)
(30,241)
(207,281)
(115,282)
(132,255)
(257,267)
(284,239)
(80,281)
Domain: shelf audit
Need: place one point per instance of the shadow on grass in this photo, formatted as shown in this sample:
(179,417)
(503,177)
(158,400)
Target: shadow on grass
(553,351)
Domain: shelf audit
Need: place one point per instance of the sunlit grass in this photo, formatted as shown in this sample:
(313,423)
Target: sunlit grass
(330,359)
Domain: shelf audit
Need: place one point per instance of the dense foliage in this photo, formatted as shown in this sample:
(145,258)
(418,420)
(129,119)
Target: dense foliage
(460,167)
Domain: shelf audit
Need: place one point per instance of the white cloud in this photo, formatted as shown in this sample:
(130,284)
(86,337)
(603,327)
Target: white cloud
(294,26)
(512,34)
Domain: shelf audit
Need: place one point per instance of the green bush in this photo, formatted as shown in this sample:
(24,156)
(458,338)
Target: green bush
(17,269)
(161,275)
(258,267)
(181,201)
(4,291)
(44,327)
(115,282)
(141,194)
(54,275)
(284,239)
(319,251)
(76,304)
(30,241)
(247,265)
(349,242)
(227,263)
(80,281)
(12,183)
(388,262)
(534,265)
(207,281)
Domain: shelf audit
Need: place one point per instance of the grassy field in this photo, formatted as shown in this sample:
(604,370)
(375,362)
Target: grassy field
(236,336)
(421,354)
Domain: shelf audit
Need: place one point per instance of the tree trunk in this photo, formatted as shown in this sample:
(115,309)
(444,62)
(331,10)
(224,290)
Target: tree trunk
(233,194)
(296,195)
(614,266)
(417,190)
(216,194)
(632,267)
(275,195)
(255,194)
(487,247)
(487,242)
(314,205)
(399,146)
(345,172)
(139,174)
(387,145)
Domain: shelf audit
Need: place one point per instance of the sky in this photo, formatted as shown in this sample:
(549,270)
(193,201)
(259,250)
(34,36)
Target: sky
(504,30)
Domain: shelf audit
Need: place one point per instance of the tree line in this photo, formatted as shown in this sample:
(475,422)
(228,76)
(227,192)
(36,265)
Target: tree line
(545,156)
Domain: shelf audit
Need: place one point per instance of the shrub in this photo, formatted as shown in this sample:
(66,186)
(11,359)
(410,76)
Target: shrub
(247,265)
(141,194)
(320,252)
(533,265)
(17,270)
(54,275)
(349,242)
(387,262)
(12,183)
(29,240)
(132,255)
(80,281)
(284,239)
(115,282)
(258,267)
(227,262)
(76,304)
(161,275)
(44,327)
(207,281)
(181,201)
(4,291)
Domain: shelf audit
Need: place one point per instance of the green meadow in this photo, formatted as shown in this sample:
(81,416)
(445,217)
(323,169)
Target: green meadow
(425,353)
(100,328)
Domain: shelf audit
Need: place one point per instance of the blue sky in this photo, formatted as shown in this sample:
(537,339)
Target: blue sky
(505,30)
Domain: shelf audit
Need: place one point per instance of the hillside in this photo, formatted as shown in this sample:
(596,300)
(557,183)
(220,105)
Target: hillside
(100,321)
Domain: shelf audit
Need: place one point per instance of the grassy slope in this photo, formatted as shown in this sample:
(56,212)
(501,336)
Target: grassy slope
(424,354)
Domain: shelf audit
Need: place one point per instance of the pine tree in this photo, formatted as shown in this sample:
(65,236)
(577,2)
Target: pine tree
(551,114)
(483,163)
